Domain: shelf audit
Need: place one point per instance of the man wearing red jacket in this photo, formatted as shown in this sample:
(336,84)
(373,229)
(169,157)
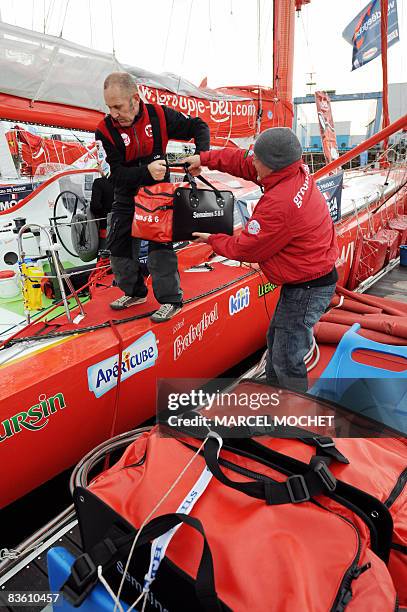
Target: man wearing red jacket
(292,237)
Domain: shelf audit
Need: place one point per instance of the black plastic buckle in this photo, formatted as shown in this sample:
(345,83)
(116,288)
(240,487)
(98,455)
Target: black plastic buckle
(82,575)
(81,581)
(324,442)
(325,475)
(301,479)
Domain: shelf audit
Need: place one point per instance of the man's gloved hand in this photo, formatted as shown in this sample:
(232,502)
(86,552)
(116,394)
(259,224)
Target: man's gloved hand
(157,169)
(194,164)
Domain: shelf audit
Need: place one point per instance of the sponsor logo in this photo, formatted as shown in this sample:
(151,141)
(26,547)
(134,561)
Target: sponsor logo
(195,332)
(369,54)
(265,288)
(149,130)
(253,227)
(239,301)
(34,418)
(126,139)
(302,190)
(140,355)
(178,326)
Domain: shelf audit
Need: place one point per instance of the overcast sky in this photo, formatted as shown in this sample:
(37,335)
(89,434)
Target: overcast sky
(219,39)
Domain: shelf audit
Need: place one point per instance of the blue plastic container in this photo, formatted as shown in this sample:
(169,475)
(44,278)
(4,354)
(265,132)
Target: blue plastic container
(59,562)
(403,255)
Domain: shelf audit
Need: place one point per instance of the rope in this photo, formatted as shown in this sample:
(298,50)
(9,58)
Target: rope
(118,387)
(11,341)
(153,511)
(109,589)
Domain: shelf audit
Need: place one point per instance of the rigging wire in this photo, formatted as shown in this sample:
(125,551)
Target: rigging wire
(168,34)
(111,23)
(63,20)
(49,13)
(185,43)
(90,24)
(267,30)
(307,44)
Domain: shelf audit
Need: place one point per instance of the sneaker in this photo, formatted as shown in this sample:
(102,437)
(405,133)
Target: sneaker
(125,301)
(165,312)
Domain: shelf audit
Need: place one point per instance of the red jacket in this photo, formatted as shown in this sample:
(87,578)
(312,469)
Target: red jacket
(291,234)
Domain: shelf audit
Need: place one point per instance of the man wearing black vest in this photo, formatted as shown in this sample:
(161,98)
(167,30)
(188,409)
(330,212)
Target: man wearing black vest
(133,138)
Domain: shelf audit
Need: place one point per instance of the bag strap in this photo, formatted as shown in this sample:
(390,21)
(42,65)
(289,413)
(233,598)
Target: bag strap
(83,576)
(156,129)
(296,489)
(193,198)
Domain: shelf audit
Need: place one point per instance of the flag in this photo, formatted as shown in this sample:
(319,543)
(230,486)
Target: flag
(326,126)
(363,32)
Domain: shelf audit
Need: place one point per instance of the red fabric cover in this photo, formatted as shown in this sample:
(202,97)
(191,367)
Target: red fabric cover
(290,234)
(302,551)
(354,306)
(375,466)
(391,307)
(331,332)
(399,224)
(392,238)
(372,258)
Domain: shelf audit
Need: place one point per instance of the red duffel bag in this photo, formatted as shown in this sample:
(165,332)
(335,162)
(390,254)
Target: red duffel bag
(153,212)
(267,543)
(376,467)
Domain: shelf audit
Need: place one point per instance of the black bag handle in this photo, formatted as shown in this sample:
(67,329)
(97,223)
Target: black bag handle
(83,576)
(193,198)
(297,488)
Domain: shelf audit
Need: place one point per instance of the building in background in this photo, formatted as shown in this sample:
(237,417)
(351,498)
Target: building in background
(309,132)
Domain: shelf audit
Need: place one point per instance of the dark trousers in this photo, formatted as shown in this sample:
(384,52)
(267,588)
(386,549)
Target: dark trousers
(289,336)
(162,262)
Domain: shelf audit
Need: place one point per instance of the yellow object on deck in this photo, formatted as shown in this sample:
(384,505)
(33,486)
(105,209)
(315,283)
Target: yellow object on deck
(32,293)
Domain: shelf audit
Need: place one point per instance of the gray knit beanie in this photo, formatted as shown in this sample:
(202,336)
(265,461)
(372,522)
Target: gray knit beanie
(277,148)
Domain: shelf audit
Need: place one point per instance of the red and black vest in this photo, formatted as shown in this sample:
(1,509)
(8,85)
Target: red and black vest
(145,140)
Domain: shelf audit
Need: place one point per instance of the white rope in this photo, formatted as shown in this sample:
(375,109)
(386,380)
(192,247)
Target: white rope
(341,299)
(316,360)
(109,589)
(159,503)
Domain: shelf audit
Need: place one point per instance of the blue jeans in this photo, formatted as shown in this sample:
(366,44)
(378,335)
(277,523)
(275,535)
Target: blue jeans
(289,336)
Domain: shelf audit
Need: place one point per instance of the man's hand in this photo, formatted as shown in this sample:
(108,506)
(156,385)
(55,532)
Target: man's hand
(157,169)
(201,237)
(194,164)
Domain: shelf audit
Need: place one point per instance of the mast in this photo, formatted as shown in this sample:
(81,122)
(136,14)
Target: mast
(383,31)
(283,46)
